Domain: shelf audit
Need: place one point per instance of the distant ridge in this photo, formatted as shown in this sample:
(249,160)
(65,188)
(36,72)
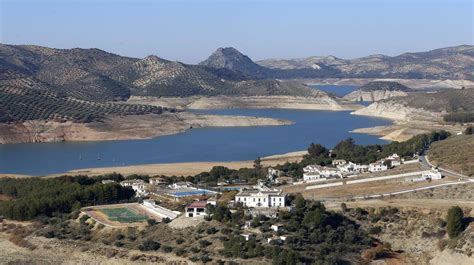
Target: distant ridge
(445,63)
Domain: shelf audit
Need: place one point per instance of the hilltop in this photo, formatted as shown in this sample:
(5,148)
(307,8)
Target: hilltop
(384,85)
(378,90)
(445,63)
(423,106)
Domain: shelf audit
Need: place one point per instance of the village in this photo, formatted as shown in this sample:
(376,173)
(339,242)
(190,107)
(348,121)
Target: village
(182,204)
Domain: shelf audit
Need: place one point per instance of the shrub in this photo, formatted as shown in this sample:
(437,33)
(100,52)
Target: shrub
(454,221)
(375,230)
(148,245)
(167,249)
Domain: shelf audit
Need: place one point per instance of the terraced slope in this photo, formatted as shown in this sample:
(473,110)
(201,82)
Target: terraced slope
(95,75)
(24,99)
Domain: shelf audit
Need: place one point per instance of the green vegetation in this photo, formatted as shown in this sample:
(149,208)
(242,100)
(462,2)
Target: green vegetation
(312,235)
(123,215)
(460,117)
(384,85)
(34,197)
(469,130)
(454,220)
(23,104)
(350,151)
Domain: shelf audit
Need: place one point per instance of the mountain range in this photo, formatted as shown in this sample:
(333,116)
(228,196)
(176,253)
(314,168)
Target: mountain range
(96,75)
(445,63)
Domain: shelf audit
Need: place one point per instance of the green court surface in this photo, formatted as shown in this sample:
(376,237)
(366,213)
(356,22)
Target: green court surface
(123,215)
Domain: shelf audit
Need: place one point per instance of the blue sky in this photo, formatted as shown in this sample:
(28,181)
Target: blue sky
(189,30)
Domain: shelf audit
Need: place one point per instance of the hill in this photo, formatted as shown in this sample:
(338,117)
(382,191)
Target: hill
(378,90)
(445,63)
(452,105)
(384,85)
(28,99)
(455,153)
(230,58)
(96,75)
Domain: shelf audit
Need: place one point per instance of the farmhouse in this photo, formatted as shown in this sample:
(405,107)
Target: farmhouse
(157,181)
(352,168)
(377,167)
(138,185)
(261,198)
(181,185)
(196,209)
(394,160)
(433,174)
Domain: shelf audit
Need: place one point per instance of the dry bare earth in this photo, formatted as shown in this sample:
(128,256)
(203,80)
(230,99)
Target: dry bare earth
(189,168)
(319,102)
(54,251)
(348,192)
(455,153)
(123,127)
(403,130)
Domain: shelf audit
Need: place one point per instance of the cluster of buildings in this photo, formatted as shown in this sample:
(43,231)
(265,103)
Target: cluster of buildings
(342,168)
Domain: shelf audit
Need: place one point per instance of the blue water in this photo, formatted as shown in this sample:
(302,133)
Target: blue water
(203,144)
(191,193)
(339,91)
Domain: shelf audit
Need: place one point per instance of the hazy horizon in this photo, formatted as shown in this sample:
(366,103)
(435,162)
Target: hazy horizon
(189,32)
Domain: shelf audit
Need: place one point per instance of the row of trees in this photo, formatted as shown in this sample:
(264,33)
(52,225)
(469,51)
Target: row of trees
(460,117)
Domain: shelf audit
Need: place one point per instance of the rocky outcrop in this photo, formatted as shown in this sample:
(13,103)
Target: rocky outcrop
(360,95)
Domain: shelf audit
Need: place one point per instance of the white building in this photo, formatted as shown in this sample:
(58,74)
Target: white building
(377,167)
(353,168)
(138,185)
(259,198)
(433,174)
(181,185)
(157,181)
(107,181)
(339,162)
(395,160)
(313,172)
(196,209)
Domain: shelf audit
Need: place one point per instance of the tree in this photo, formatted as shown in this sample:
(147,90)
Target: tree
(454,221)
(316,150)
(257,164)
(469,130)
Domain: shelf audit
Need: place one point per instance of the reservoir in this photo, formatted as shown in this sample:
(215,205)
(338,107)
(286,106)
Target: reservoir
(203,144)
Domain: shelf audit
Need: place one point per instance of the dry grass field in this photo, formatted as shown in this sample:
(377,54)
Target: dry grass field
(455,153)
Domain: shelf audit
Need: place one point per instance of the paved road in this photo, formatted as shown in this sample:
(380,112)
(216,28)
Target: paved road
(425,162)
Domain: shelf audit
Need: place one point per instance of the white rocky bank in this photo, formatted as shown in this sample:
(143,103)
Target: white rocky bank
(398,112)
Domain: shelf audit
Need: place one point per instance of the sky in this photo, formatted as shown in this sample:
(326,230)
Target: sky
(190,30)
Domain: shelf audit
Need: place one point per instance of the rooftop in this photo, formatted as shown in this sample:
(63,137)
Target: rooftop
(251,192)
(197,204)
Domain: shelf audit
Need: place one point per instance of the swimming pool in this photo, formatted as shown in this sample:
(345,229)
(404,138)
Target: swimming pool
(191,193)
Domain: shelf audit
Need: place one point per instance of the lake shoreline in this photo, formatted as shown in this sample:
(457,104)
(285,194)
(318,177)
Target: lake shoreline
(177,169)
